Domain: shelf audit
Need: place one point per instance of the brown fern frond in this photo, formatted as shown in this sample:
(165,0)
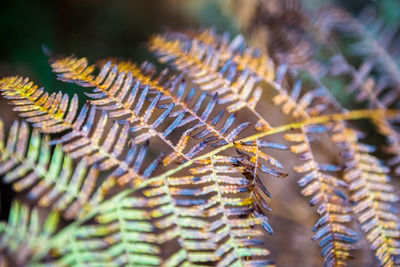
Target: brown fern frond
(375,80)
(220,213)
(202,64)
(319,181)
(123,96)
(372,196)
(257,63)
(336,238)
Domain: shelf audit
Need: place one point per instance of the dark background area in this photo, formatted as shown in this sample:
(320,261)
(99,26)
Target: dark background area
(99,29)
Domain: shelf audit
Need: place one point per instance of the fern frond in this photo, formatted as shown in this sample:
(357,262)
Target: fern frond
(372,195)
(202,64)
(85,138)
(123,236)
(25,232)
(212,214)
(218,197)
(318,182)
(336,239)
(376,79)
(50,113)
(248,58)
(375,40)
(50,178)
(378,95)
(124,100)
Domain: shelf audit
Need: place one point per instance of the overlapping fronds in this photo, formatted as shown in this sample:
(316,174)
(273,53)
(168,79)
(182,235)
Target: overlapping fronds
(85,138)
(212,214)
(335,237)
(234,207)
(378,94)
(375,40)
(25,232)
(319,180)
(210,207)
(376,79)
(372,195)
(238,88)
(123,96)
(51,178)
(123,236)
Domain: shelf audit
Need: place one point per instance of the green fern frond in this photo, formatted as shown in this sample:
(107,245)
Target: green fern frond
(50,178)
(372,195)
(25,232)
(212,214)
(123,236)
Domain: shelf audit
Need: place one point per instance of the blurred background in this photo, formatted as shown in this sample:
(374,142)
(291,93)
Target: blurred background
(98,29)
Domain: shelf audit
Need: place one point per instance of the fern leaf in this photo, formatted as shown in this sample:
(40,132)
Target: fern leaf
(257,63)
(376,80)
(123,236)
(372,195)
(212,213)
(318,181)
(335,238)
(25,233)
(50,113)
(123,99)
(202,65)
(51,178)
(85,139)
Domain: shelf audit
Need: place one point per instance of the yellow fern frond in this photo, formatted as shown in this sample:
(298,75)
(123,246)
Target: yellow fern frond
(202,64)
(372,195)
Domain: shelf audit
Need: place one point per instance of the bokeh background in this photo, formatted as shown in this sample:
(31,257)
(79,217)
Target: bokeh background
(98,29)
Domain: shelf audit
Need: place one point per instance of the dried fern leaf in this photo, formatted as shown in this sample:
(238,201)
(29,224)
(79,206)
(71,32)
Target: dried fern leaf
(372,195)
(375,40)
(124,100)
(202,64)
(370,89)
(376,80)
(50,177)
(319,181)
(235,50)
(335,238)
(25,232)
(223,220)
